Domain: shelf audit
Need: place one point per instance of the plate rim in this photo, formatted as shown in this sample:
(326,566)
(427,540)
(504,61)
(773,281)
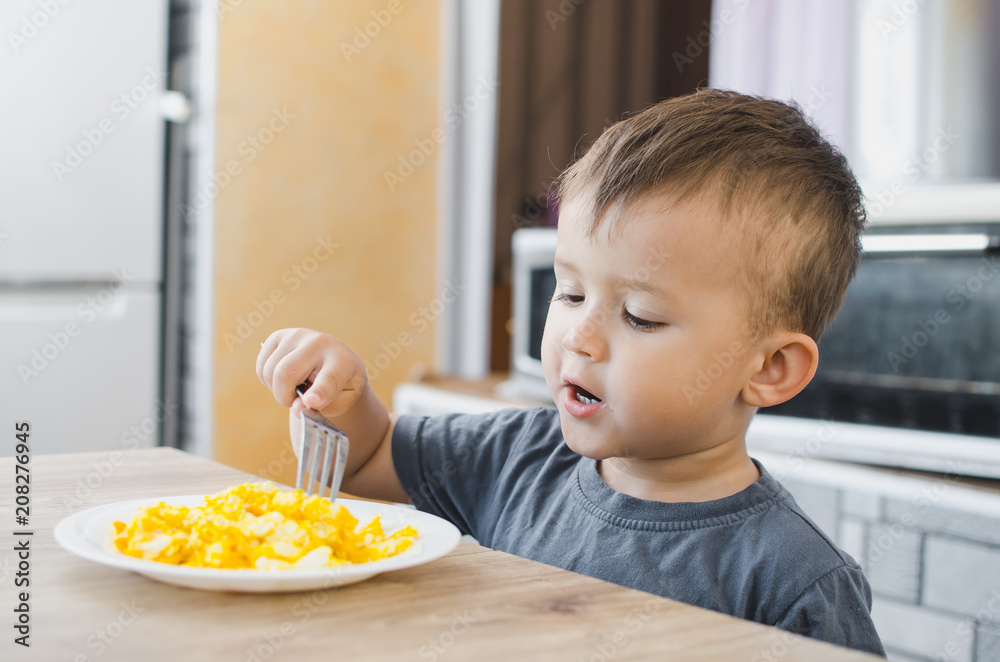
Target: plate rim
(71,534)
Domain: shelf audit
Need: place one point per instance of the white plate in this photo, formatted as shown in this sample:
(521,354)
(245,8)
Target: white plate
(88,534)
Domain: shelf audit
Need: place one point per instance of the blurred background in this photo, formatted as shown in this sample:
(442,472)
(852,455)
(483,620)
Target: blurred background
(178,179)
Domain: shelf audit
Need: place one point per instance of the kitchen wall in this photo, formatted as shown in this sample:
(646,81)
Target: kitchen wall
(317,102)
(929,545)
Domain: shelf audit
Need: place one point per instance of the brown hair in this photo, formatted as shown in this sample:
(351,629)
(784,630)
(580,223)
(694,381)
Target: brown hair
(762,164)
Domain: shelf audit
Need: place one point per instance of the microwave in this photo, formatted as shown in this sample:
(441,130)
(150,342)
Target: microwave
(915,343)
(533,284)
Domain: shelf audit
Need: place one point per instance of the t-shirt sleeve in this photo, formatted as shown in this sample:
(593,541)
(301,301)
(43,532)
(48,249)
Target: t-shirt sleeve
(836,608)
(450,465)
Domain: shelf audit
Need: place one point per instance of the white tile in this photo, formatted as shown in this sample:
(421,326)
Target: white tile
(893,656)
(987,644)
(864,505)
(892,561)
(963,577)
(932,516)
(852,539)
(917,631)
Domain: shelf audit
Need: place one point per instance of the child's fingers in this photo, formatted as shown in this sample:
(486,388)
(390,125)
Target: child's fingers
(266,351)
(291,352)
(330,393)
(275,348)
(290,370)
(321,392)
(270,365)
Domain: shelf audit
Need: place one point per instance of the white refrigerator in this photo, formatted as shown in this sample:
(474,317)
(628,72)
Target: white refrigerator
(81,222)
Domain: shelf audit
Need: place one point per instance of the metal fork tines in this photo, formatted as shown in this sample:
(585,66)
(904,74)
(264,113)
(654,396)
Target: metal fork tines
(321,437)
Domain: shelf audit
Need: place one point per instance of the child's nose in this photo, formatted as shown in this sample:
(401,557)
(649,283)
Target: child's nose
(585,338)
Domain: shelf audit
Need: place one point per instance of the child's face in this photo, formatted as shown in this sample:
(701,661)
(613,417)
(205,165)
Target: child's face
(651,324)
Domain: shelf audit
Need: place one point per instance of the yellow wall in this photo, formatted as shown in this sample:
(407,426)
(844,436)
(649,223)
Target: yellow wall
(342,112)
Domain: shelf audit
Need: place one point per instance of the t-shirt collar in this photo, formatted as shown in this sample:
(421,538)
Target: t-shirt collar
(602,499)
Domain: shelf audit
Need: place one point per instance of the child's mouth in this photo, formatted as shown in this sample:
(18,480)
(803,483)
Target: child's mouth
(585,396)
(581,403)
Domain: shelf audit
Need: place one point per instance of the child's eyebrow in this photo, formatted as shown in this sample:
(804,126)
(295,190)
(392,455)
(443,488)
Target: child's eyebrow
(634,283)
(563,264)
(643,284)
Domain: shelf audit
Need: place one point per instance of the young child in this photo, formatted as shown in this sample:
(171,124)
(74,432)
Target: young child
(704,245)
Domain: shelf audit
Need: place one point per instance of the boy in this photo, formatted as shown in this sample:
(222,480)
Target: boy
(713,228)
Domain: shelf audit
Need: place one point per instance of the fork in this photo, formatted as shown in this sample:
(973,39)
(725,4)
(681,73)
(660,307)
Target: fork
(319,435)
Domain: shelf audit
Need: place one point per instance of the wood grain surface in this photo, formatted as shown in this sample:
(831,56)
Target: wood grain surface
(474,604)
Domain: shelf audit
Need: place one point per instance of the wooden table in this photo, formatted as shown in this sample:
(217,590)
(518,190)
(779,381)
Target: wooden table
(474,604)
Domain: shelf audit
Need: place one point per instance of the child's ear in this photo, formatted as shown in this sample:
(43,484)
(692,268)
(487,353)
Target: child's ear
(790,361)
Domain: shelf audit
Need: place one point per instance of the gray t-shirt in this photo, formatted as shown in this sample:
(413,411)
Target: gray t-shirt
(508,479)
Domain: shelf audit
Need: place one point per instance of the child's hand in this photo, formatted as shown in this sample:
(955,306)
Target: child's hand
(292,356)
(340,391)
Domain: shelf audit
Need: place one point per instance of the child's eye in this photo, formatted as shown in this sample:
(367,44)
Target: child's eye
(640,324)
(568,298)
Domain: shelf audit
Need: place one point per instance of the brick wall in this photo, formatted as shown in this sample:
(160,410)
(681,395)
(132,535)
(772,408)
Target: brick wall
(930,548)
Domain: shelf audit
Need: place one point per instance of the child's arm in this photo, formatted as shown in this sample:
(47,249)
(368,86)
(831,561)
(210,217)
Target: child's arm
(340,391)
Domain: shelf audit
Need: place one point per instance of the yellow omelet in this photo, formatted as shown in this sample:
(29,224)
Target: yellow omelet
(257,526)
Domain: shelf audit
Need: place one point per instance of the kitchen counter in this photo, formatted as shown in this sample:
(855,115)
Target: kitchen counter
(474,603)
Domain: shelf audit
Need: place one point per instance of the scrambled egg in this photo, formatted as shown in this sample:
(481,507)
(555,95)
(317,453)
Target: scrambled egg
(257,526)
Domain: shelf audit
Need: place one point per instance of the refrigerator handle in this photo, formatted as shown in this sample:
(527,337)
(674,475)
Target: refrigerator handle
(175,107)
(83,304)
